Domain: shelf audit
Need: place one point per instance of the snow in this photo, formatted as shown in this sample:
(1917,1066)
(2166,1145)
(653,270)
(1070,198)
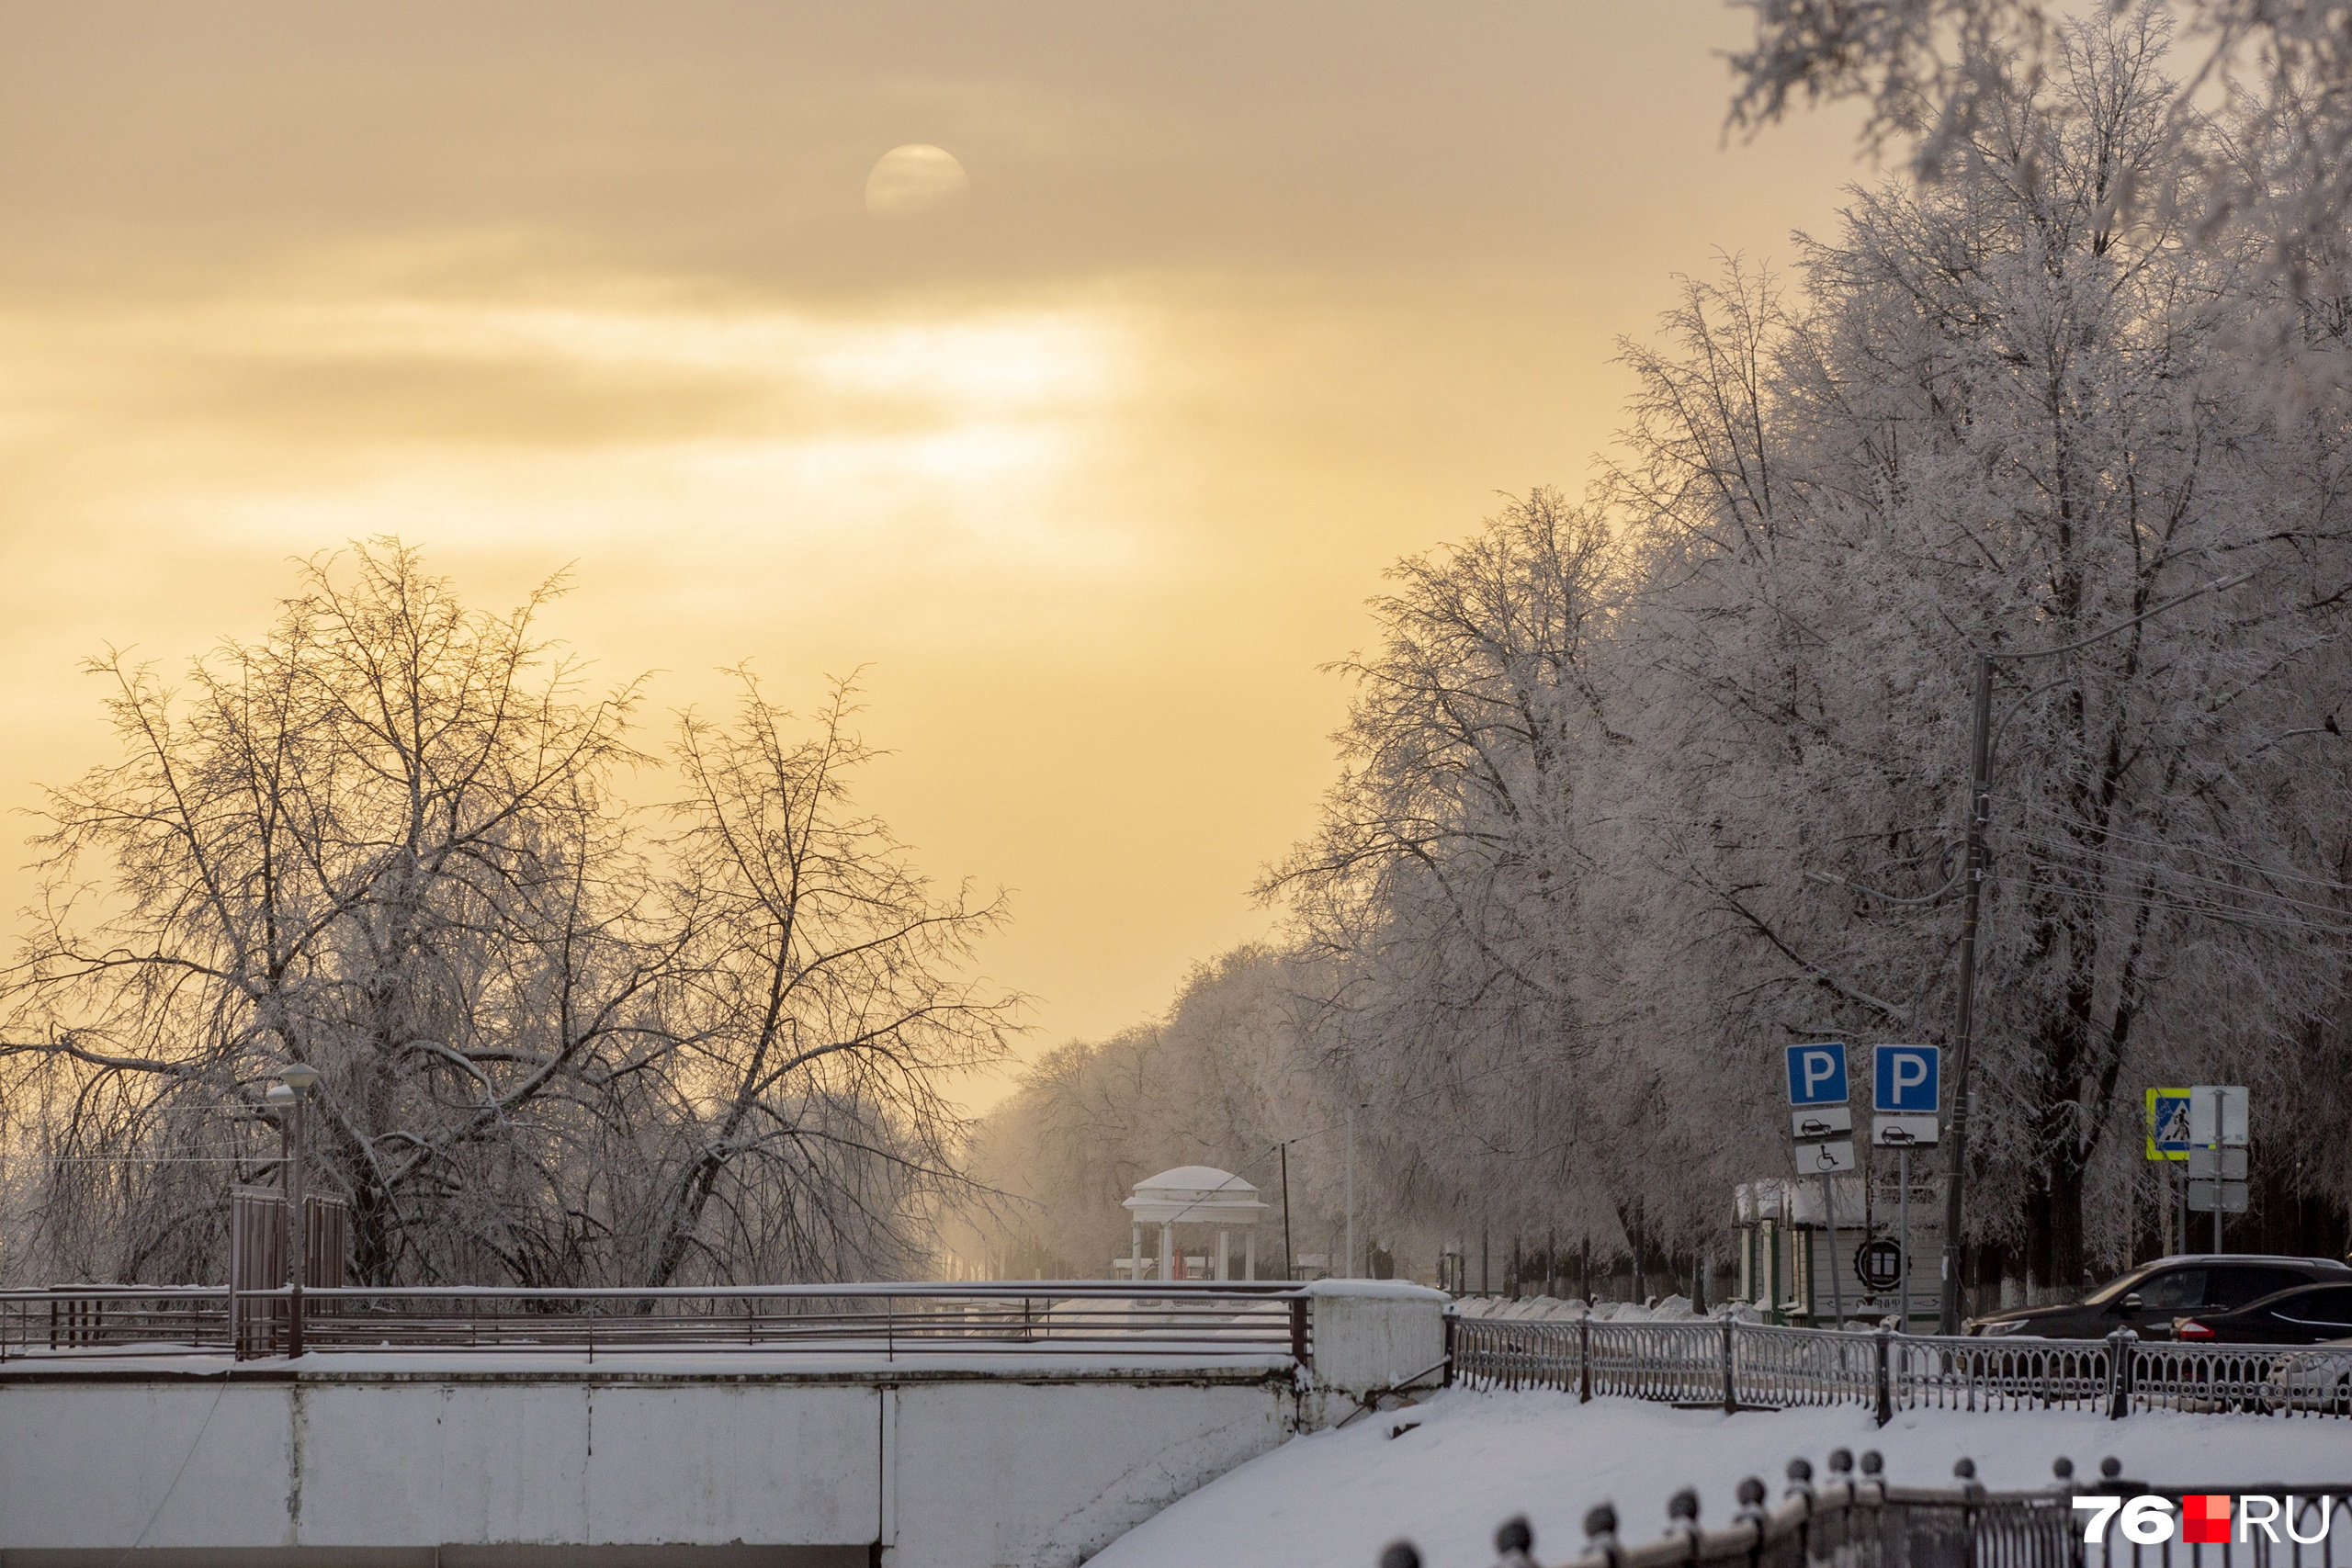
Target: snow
(1477,1457)
(1106,1361)
(1378,1289)
(1567,1309)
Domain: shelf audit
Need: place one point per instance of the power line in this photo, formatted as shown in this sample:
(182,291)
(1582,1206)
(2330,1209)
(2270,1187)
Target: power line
(2157,868)
(2223,914)
(2125,836)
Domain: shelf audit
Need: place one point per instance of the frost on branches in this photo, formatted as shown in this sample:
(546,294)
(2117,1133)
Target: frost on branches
(1639,791)
(561,1042)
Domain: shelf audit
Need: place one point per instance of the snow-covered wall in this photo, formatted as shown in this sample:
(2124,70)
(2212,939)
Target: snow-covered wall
(963,1468)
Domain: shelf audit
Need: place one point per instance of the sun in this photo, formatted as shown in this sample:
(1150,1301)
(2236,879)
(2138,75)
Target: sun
(909,181)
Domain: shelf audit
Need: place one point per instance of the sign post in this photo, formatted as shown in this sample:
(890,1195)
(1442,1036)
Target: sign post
(1817,1089)
(2168,1141)
(2217,1152)
(1906,1090)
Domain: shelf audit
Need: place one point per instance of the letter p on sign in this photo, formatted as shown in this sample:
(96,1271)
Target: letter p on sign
(1817,1073)
(1903,1079)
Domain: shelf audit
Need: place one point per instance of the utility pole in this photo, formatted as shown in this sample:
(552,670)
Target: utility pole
(1348,1269)
(1980,786)
(1289,1271)
(1980,804)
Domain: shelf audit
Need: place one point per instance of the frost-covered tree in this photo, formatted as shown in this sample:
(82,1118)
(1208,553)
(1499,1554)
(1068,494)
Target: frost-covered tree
(1229,1073)
(1935,73)
(819,996)
(1638,794)
(554,1046)
(1451,884)
(2003,421)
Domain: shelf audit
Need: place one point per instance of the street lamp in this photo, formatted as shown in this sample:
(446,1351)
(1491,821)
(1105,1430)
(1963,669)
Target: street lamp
(1979,804)
(292,1090)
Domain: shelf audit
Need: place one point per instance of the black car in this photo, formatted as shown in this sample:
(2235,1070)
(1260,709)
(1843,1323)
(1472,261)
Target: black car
(2147,1299)
(2308,1314)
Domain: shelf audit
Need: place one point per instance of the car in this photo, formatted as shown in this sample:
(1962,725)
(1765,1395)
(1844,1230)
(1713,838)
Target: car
(2307,1314)
(2317,1381)
(2147,1299)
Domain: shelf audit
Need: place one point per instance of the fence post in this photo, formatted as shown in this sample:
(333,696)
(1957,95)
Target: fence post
(2119,1372)
(1584,1357)
(1298,1332)
(1885,1337)
(1450,1321)
(1731,1389)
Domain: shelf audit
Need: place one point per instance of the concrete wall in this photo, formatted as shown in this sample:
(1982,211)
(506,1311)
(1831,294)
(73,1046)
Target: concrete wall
(966,1471)
(737,1459)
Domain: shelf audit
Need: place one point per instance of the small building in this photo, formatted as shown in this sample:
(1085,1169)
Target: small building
(1786,1252)
(1196,1195)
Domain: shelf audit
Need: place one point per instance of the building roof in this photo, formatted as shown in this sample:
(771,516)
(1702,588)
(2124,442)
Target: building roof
(1196,1194)
(1196,1178)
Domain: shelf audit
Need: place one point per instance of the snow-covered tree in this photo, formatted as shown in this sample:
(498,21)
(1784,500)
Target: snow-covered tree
(1639,793)
(554,1047)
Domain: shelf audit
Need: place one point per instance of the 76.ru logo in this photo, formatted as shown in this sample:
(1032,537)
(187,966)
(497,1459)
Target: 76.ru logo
(2203,1520)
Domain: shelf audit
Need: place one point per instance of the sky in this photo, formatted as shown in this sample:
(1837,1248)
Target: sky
(1088,471)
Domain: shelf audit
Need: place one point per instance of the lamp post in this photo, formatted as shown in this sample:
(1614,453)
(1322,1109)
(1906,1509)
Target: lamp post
(289,1094)
(1980,802)
(1290,1269)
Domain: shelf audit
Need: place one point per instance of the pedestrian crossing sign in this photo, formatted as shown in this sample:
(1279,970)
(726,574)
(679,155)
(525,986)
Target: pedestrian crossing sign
(2168,1123)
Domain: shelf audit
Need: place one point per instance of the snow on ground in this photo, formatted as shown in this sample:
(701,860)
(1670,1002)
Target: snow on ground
(1477,1457)
(1567,1309)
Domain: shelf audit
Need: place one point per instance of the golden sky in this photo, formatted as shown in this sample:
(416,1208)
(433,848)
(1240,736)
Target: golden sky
(1090,472)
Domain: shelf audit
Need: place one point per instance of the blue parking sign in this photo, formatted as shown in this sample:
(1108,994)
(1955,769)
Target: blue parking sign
(1903,1079)
(1817,1073)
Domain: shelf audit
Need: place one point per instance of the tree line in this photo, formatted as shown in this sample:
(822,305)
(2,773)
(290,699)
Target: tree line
(1640,789)
(1637,788)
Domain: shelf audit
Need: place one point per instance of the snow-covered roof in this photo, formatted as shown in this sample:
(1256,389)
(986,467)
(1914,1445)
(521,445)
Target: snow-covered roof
(1196,1178)
(1196,1194)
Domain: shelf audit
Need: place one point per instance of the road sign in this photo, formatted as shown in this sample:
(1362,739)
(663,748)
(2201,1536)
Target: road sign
(1903,1132)
(1822,1122)
(1820,1159)
(2167,1126)
(2217,1116)
(1817,1073)
(2229,1165)
(1903,1078)
(1879,1265)
(2203,1200)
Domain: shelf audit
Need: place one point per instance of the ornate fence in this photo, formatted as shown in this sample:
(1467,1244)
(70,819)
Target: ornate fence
(1756,1366)
(1860,1522)
(1051,1317)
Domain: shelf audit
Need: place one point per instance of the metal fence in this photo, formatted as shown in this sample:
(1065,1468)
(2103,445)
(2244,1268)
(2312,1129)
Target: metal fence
(1045,1317)
(1860,1522)
(1757,1366)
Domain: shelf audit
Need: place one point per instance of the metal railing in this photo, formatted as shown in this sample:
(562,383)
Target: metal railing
(1757,1366)
(1051,1317)
(1861,1521)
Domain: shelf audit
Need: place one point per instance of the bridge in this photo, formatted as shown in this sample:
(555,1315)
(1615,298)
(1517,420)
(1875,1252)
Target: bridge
(957,1426)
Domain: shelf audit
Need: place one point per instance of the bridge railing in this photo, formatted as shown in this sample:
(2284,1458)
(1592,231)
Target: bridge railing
(1757,1366)
(1052,1318)
(1860,1522)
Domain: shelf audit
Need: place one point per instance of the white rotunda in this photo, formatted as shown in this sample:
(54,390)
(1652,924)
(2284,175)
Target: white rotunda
(1194,1195)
